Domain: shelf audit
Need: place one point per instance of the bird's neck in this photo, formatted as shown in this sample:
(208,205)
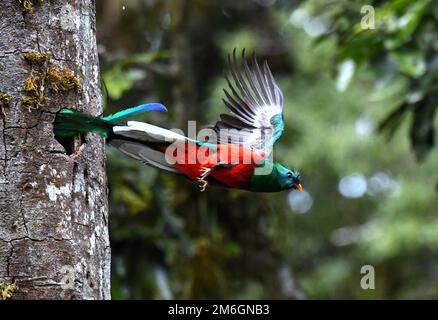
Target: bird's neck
(265,182)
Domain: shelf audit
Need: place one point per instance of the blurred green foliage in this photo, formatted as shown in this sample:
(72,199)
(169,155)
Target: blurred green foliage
(402,43)
(367,200)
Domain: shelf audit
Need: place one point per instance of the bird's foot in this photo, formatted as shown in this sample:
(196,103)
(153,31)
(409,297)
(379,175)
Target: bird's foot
(202,184)
(201,178)
(204,172)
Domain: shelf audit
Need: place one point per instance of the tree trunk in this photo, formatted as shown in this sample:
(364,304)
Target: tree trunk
(53,205)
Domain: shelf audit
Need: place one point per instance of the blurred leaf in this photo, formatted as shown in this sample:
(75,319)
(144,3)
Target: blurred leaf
(120,77)
(411,63)
(392,121)
(117,82)
(422,128)
(407,24)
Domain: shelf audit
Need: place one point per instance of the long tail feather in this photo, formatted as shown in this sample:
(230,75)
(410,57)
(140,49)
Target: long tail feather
(135,139)
(69,123)
(135,111)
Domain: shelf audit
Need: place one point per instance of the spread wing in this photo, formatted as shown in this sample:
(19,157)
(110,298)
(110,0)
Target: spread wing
(256,105)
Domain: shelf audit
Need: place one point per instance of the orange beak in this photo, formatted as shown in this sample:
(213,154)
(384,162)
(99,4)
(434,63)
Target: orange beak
(299,187)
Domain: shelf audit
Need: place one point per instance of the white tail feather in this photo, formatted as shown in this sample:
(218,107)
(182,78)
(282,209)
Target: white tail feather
(143,153)
(148,132)
(144,132)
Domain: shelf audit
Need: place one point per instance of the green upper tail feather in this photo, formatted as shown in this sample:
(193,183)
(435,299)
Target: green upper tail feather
(135,111)
(70,123)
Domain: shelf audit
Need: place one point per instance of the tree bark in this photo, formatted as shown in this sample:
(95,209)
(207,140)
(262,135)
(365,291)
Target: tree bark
(53,206)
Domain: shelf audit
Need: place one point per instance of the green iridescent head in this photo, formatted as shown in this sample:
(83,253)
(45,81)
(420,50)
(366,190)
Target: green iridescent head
(288,178)
(279,178)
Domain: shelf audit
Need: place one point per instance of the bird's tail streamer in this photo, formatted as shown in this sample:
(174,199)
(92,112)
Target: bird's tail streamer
(69,123)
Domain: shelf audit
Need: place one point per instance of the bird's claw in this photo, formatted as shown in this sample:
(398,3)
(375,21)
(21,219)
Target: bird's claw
(204,172)
(201,178)
(202,184)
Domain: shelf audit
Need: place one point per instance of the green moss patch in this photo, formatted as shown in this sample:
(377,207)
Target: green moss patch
(45,74)
(7,290)
(5,100)
(29,5)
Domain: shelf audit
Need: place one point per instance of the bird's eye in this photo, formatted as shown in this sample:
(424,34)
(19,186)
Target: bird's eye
(289,175)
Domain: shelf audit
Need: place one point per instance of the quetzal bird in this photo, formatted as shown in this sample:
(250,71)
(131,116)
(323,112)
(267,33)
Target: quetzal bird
(237,153)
